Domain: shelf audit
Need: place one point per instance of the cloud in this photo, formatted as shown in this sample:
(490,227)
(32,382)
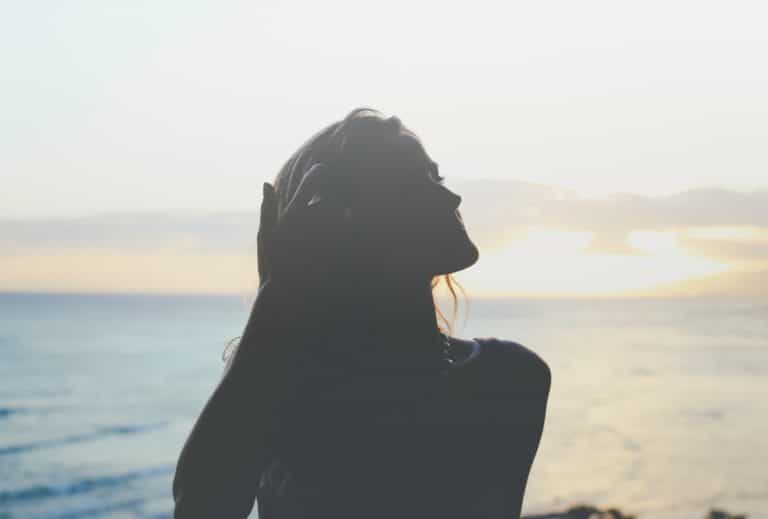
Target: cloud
(718,224)
(233,231)
(695,207)
(495,213)
(745,250)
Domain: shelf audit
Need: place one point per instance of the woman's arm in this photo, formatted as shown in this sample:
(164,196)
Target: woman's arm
(224,455)
(219,467)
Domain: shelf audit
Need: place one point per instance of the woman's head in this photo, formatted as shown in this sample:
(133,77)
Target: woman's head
(405,220)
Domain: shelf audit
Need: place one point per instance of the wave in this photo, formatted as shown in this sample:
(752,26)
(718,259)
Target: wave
(136,506)
(79,438)
(95,511)
(5,412)
(79,487)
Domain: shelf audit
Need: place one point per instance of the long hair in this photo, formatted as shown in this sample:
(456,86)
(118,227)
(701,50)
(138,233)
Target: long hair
(330,146)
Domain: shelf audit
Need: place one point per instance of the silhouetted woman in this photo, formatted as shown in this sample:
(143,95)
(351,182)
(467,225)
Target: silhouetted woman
(344,398)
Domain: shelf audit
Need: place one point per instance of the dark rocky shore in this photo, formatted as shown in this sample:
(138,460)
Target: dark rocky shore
(591,512)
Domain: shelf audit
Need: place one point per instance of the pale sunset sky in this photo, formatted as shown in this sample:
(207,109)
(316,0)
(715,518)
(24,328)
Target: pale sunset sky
(601,148)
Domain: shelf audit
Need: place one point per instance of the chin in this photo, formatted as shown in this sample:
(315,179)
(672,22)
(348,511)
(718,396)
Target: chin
(459,259)
(427,257)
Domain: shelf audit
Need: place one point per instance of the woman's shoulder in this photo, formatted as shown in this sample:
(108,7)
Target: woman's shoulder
(507,358)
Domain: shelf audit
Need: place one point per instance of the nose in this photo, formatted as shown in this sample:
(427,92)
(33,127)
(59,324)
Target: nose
(455,199)
(394,123)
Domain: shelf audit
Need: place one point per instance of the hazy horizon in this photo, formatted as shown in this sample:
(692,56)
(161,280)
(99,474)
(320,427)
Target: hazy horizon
(534,240)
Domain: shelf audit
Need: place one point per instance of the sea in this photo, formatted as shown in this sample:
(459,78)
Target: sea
(658,407)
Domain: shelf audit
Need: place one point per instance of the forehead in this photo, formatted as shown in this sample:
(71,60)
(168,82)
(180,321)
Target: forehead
(386,152)
(414,148)
(406,162)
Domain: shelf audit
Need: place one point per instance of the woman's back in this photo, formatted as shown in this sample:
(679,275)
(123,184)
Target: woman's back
(406,441)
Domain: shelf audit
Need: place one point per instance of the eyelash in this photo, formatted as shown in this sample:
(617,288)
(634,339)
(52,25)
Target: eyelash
(437,177)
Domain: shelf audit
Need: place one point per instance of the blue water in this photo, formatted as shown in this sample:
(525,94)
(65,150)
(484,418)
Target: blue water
(657,407)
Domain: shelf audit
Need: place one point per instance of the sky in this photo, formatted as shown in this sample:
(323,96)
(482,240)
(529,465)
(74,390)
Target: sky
(600,147)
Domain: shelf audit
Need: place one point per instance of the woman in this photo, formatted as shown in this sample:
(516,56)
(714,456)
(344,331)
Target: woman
(344,398)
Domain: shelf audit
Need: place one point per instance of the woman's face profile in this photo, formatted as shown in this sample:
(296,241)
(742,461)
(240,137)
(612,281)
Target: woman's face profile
(412,216)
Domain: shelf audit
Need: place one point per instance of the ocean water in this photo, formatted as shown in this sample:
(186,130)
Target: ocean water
(659,407)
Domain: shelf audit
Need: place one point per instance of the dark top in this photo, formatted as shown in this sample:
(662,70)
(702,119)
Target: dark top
(411,441)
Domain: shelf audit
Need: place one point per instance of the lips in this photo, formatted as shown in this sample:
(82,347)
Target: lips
(458,217)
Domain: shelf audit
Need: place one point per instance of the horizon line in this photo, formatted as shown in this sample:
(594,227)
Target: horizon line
(470,297)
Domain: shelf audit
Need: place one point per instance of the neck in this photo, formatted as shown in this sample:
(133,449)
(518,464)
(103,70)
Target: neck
(395,310)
